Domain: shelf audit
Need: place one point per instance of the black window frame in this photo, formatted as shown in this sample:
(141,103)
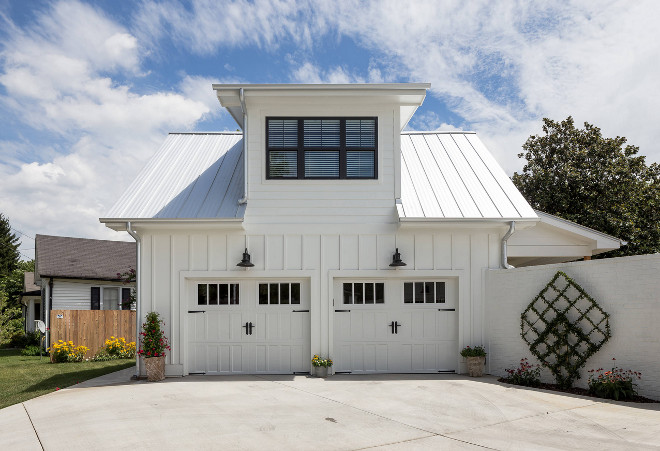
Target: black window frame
(300,149)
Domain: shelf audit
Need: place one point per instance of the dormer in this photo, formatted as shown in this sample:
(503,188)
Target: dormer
(341,140)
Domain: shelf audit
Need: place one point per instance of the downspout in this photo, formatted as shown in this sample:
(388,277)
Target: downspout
(138,280)
(47,301)
(244,199)
(505,238)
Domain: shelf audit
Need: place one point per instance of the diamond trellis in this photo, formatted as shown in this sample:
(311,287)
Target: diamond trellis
(563,327)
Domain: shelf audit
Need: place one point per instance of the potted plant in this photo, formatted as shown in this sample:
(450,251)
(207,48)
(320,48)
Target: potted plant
(476,360)
(152,347)
(321,366)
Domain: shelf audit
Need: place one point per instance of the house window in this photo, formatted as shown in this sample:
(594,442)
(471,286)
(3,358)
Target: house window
(279,293)
(217,294)
(111,298)
(424,292)
(364,293)
(321,148)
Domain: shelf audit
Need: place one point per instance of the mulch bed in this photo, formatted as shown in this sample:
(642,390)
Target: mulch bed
(583,392)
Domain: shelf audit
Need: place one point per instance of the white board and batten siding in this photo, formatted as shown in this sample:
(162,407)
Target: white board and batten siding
(173,262)
(70,294)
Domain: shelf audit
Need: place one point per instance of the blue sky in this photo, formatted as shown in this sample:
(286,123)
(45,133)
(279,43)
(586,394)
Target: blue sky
(88,90)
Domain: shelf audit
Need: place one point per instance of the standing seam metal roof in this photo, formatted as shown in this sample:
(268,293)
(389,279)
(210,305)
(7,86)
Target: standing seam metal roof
(444,175)
(451,175)
(193,175)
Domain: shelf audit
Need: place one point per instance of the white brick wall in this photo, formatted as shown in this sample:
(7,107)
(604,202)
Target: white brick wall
(628,288)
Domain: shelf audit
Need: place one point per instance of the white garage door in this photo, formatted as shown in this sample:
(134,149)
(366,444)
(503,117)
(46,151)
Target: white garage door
(249,327)
(386,326)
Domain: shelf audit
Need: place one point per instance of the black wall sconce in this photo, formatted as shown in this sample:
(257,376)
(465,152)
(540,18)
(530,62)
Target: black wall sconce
(246,263)
(396,259)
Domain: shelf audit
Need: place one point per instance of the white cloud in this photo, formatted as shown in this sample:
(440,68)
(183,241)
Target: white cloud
(59,77)
(205,25)
(501,65)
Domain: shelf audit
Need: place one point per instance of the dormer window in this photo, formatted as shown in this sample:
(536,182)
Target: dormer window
(321,148)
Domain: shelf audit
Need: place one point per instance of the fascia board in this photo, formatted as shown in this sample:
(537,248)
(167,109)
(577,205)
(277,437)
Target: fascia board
(321,86)
(472,223)
(119,224)
(603,240)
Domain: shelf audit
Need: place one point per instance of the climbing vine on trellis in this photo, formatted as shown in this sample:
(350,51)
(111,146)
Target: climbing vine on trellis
(563,327)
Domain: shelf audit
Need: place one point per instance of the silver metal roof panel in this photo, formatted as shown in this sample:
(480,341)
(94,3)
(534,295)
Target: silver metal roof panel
(193,175)
(453,176)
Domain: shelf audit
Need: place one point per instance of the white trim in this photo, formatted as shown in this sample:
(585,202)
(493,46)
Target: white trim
(320,86)
(579,229)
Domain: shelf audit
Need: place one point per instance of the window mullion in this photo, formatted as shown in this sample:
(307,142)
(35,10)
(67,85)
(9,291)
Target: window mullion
(342,149)
(301,151)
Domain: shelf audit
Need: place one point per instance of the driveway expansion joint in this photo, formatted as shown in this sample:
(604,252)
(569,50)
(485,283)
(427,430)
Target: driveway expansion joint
(33,428)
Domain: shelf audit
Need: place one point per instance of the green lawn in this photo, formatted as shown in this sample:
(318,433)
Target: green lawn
(23,378)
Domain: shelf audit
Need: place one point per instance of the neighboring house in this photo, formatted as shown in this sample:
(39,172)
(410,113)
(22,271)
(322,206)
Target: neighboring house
(319,193)
(82,274)
(31,300)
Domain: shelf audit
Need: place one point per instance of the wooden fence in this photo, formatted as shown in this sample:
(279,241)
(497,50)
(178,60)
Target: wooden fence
(91,327)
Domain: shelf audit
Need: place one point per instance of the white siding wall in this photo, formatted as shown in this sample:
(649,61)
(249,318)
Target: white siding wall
(627,288)
(76,294)
(322,201)
(165,255)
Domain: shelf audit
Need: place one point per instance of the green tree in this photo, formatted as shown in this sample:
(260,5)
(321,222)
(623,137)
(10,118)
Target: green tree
(579,175)
(9,255)
(12,284)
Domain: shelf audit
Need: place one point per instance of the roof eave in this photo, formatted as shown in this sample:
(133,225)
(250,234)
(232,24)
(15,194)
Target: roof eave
(119,224)
(579,229)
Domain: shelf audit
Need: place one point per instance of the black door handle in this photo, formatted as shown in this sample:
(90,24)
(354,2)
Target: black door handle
(392,326)
(396,327)
(247,330)
(251,326)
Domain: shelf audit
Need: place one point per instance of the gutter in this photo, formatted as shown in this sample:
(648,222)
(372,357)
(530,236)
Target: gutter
(505,238)
(244,199)
(138,280)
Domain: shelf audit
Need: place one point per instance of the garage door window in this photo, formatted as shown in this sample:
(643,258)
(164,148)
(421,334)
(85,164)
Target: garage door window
(364,293)
(279,293)
(217,294)
(424,292)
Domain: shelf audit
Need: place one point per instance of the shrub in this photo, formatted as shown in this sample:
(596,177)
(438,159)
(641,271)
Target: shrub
(20,339)
(118,348)
(64,351)
(614,384)
(318,361)
(477,351)
(31,351)
(526,374)
(154,342)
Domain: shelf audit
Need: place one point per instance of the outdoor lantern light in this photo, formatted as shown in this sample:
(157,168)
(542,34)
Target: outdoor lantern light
(396,259)
(246,263)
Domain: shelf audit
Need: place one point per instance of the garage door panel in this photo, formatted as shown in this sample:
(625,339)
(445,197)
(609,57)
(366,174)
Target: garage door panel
(446,355)
(299,326)
(198,358)
(219,343)
(357,357)
(446,325)
(424,341)
(197,324)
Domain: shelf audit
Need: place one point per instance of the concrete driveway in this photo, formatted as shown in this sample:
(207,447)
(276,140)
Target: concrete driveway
(390,412)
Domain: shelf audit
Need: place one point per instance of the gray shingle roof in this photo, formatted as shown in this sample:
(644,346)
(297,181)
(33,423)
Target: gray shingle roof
(29,287)
(81,258)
